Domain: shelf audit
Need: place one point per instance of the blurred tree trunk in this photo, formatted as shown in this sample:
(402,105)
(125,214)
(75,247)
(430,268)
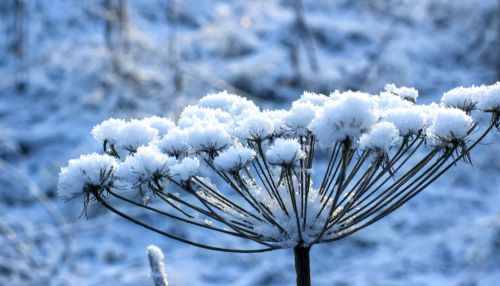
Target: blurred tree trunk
(18,43)
(304,32)
(123,24)
(293,55)
(173,55)
(108,23)
(115,24)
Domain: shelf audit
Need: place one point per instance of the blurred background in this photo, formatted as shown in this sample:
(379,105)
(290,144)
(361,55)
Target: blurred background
(66,65)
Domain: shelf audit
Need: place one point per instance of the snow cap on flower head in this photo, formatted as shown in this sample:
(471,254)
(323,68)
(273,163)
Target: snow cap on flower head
(230,103)
(408,121)
(255,127)
(300,116)
(464,98)
(381,137)
(92,172)
(316,99)
(489,99)
(108,130)
(185,169)
(162,124)
(344,119)
(449,124)
(407,93)
(174,143)
(146,165)
(195,115)
(125,136)
(234,158)
(284,152)
(208,139)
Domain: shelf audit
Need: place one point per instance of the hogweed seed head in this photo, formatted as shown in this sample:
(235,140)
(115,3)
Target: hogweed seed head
(232,169)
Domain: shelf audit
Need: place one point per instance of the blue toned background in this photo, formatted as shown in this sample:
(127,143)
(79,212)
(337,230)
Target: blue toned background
(66,65)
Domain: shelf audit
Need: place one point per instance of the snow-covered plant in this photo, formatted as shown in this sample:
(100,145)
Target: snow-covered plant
(155,257)
(316,173)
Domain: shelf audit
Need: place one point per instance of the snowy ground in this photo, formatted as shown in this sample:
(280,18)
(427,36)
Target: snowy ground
(449,235)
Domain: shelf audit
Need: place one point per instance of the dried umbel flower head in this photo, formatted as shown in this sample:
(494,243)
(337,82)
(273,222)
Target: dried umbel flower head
(89,174)
(232,169)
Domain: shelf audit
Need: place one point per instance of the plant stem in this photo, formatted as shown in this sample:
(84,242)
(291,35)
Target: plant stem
(302,265)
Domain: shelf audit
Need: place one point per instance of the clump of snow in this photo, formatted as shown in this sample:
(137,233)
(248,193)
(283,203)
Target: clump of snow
(313,98)
(284,152)
(185,169)
(234,158)
(155,253)
(407,93)
(162,124)
(228,102)
(387,100)
(344,119)
(134,134)
(194,115)
(464,98)
(381,137)
(449,124)
(156,257)
(174,143)
(408,121)
(148,165)
(255,127)
(124,136)
(489,99)
(208,139)
(300,116)
(87,173)
(276,117)
(108,130)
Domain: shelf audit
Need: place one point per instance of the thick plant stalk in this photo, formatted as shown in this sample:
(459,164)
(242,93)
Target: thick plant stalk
(302,265)
(158,274)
